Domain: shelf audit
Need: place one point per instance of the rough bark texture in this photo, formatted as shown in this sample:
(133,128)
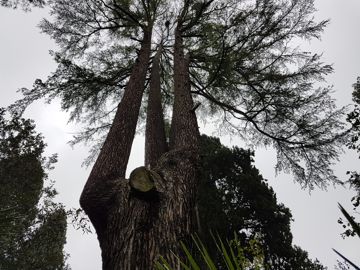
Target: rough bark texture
(135,227)
(103,184)
(184,129)
(143,226)
(155,139)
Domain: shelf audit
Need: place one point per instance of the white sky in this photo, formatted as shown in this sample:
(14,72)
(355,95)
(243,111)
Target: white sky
(24,57)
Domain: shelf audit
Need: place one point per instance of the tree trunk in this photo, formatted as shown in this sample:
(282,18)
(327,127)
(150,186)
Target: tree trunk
(144,225)
(134,228)
(155,138)
(107,179)
(184,129)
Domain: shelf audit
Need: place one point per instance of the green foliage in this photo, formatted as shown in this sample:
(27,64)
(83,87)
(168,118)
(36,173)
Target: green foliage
(234,256)
(98,41)
(32,226)
(353,143)
(233,196)
(242,69)
(263,88)
(300,260)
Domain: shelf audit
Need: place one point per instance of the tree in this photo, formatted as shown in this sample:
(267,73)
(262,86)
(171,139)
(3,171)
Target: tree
(252,76)
(235,198)
(242,65)
(32,226)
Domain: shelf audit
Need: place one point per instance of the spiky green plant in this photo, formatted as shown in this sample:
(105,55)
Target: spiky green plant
(232,252)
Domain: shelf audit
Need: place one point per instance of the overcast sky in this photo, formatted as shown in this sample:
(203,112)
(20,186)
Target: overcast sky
(24,57)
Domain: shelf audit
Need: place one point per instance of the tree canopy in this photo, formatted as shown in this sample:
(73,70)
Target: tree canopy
(32,226)
(245,69)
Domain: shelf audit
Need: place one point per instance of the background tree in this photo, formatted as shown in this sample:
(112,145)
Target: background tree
(353,143)
(234,197)
(32,226)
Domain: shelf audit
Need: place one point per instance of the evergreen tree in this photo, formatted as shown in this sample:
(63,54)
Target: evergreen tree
(32,226)
(243,70)
(234,197)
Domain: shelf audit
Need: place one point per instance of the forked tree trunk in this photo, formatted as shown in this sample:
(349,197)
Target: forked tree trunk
(135,227)
(155,138)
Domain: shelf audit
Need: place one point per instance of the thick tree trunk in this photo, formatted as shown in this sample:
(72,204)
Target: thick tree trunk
(134,228)
(144,225)
(107,179)
(155,139)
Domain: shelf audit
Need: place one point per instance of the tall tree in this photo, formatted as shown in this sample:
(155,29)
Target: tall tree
(161,215)
(32,226)
(119,218)
(231,55)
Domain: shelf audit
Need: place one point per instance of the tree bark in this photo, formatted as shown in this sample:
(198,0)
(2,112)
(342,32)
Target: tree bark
(144,225)
(107,178)
(184,129)
(134,228)
(155,138)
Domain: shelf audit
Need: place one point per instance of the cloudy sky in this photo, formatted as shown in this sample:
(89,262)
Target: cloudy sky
(24,57)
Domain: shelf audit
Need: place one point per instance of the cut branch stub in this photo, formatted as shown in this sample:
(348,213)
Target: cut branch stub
(143,179)
(140,179)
